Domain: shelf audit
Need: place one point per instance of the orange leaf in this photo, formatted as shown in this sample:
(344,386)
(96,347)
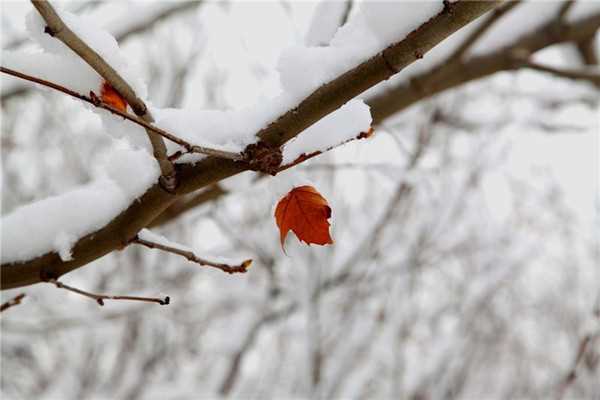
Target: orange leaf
(111,97)
(305,212)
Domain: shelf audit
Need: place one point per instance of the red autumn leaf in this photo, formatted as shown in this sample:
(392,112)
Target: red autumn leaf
(111,97)
(305,212)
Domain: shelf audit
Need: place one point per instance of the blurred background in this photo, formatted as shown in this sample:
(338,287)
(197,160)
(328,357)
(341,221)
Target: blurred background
(466,255)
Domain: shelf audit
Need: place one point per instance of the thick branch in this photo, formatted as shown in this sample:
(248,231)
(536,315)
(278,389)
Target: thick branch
(323,101)
(380,67)
(441,78)
(58,29)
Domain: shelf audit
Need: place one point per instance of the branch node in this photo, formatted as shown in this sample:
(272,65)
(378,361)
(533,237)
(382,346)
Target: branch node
(50,31)
(448,7)
(263,157)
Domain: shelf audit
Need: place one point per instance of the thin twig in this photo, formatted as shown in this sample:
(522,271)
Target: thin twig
(101,297)
(482,29)
(303,157)
(563,73)
(587,50)
(59,30)
(564,10)
(95,101)
(12,302)
(230,269)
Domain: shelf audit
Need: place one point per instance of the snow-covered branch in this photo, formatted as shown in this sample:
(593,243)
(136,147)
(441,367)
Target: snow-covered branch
(59,30)
(325,99)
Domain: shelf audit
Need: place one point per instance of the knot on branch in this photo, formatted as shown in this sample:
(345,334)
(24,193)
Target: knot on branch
(49,31)
(263,157)
(449,7)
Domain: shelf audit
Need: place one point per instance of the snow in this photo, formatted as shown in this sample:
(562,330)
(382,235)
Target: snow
(55,223)
(94,36)
(346,123)
(302,69)
(327,20)
(391,23)
(70,72)
(148,235)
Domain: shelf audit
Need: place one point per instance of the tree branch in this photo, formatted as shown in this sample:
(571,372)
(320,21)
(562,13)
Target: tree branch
(188,203)
(563,73)
(101,297)
(485,26)
(230,269)
(95,101)
(444,77)
(587,50)
(12,302)
(140,26)
(121,230)
(59,30)
(564,10)
(380,67)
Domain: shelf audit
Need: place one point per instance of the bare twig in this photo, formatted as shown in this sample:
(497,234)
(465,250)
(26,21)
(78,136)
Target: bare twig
(95,101)
(563,73)
(582,348)
(101,297)
(485,26)
(303,157)
(59,30)
(12,302)
(587,50)
(230,269)
(564,10)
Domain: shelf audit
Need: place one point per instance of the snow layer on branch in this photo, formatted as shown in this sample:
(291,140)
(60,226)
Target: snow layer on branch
(326,21)
(372,28)
(346,123)
(94,36)
(148,235)
(230,130)
(56,223)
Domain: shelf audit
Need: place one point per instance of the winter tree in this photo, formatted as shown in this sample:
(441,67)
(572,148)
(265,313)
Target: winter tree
(335,199)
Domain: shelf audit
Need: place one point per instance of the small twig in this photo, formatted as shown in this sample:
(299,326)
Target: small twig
(482,29)
(564,10)
(230,269)
(587,50)
(96,101)
(303,157)
(101,297)
(563,73)
(584,344)
(12,302)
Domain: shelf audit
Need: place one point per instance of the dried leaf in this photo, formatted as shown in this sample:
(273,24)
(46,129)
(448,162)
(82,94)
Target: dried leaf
(111,97)
(305,212)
